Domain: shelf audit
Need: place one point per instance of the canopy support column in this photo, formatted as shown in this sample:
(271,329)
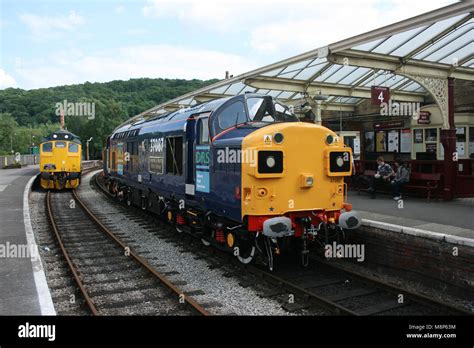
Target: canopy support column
(442,90)
(448,139)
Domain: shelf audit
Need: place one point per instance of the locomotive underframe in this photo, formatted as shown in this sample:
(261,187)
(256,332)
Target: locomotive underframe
(310,230)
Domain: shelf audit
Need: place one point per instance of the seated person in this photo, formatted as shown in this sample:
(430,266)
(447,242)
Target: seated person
(383,175)
(402,176)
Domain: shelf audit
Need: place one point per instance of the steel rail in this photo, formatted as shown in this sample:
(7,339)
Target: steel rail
(189,300)
(72,268)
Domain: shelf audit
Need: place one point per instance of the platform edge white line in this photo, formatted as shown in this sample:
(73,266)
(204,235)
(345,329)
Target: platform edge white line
(419,233)
(42,289)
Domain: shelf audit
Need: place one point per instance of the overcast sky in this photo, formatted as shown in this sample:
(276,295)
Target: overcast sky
(51,43)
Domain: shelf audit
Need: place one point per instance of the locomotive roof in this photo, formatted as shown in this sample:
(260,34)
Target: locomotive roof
(62,134)
(133,129)
(181,114)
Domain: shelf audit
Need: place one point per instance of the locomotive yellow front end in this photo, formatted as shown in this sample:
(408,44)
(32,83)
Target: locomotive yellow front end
(294,184)
(60,161)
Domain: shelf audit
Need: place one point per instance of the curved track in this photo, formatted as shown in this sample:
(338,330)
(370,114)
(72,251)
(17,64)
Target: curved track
(112,278)
(326,285)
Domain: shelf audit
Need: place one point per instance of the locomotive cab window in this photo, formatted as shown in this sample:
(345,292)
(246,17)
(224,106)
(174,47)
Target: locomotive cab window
(260,109)
(73,147)
(174,155)
(204,130)
(47,147)
(265,110)
(232,115)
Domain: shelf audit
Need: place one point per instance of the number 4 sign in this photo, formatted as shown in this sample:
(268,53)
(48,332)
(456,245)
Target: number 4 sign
(380,95)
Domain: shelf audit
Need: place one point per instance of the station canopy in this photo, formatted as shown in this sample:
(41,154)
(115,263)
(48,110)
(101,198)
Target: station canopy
(439,43)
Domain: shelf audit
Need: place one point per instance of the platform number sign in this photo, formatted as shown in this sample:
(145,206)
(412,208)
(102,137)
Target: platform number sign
(380,95)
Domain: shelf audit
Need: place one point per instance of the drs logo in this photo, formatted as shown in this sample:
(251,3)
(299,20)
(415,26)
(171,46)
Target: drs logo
(202,158)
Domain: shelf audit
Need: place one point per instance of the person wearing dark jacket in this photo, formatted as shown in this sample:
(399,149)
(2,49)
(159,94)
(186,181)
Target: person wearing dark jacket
(383,175)
(402,176)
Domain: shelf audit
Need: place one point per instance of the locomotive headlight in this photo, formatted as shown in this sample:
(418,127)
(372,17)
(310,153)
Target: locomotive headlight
(306,180)
(329,139)
(278,138)
(271,162)
(339,163)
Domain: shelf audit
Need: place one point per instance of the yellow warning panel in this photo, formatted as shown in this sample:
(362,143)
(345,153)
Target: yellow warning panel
(267,139)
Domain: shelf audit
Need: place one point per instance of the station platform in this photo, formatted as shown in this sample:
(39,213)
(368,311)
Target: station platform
(452,218)
(23,287)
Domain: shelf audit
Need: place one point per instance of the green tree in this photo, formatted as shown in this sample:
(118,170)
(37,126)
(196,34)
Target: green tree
(31,114)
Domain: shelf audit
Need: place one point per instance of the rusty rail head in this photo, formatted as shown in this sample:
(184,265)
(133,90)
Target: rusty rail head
(189,300)
(78,280)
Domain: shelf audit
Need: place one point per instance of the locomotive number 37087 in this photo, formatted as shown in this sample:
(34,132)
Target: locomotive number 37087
(156,145)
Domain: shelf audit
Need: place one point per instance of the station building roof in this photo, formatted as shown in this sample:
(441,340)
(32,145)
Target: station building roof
(439,43)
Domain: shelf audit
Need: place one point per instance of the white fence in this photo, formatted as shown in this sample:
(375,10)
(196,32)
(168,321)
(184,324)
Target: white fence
(34,159)
(24,159)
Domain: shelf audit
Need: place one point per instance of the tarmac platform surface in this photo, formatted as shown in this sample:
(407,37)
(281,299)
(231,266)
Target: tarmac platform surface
(451,218)
(20,291)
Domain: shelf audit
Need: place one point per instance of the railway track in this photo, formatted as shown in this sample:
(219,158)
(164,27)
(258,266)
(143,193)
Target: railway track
(348,293)
(337,290)
(112,278)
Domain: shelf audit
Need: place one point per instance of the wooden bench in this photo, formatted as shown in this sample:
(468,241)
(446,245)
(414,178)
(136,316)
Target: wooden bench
(424,181)
(367,173)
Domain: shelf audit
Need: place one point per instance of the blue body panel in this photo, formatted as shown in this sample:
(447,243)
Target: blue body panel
(205,183)
(219,186)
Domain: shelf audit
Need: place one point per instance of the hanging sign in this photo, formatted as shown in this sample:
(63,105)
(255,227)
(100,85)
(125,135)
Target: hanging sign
(424,117)
(380,94)
(386,125)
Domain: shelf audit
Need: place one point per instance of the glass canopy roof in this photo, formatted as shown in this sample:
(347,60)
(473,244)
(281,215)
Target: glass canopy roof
(438,44)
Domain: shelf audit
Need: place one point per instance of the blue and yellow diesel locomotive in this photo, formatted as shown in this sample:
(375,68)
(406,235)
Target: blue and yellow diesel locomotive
(243,173)
(60,161)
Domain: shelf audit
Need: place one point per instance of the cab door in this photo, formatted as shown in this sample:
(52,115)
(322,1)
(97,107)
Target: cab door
(190,185)
(202,156)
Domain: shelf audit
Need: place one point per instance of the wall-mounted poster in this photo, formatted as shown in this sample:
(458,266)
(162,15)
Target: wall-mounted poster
(405,140)
(431,147)
(380,142)
(460,149)
(418,136)
(393,141)
(369,142)
(357,146)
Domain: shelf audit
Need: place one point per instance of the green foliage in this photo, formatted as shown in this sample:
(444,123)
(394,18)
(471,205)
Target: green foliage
(30,115)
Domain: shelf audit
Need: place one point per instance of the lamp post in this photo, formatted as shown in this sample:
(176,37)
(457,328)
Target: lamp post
(87,148)
(319,98)
(32,143)
(11,142)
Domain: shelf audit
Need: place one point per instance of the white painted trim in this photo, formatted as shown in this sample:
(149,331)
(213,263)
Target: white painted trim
(189,188)
(442,237)
(42,289)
